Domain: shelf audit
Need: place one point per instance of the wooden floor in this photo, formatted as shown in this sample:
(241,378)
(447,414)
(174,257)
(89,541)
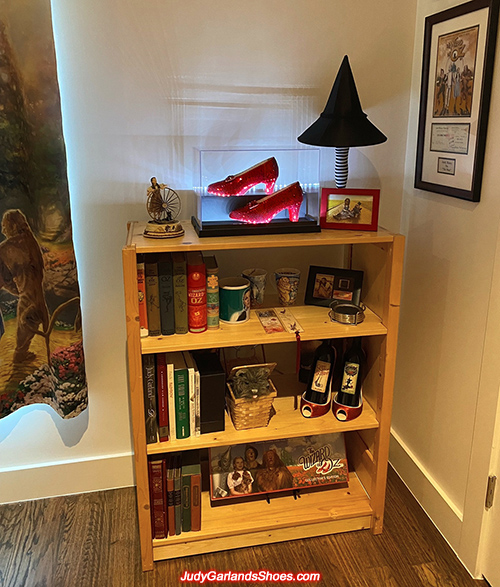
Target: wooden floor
(91,540)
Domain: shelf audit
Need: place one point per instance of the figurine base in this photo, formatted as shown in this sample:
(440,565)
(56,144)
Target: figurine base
(346,413)
(163,230)
(311,410)
(234,228)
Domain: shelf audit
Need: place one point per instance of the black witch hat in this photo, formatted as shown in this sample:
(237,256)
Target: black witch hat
(343,123)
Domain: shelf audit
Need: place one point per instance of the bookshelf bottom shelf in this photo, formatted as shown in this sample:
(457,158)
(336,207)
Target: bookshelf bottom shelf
(238,525)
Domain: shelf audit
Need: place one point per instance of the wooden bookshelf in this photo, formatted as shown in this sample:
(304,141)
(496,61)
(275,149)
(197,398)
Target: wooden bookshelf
(360,505)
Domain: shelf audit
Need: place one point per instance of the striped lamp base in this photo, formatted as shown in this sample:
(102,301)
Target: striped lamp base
(341,166)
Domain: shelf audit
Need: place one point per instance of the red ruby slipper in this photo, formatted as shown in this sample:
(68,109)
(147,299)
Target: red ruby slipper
(264,210)
(237,185)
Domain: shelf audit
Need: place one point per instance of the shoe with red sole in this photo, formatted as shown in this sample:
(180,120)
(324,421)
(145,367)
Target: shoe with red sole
(264,210)
(236,185)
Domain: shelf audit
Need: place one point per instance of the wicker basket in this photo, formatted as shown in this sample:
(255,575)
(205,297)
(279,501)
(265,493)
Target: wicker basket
(250,413)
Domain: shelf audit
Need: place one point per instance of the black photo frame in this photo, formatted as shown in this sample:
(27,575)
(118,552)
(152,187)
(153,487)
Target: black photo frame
(457,71)
(326,284)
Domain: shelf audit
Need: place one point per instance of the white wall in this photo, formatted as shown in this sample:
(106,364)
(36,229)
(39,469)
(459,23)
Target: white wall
(143,84)
(439,412)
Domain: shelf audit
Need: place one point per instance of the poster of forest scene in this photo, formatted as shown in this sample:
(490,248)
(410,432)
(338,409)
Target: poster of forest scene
(41,350)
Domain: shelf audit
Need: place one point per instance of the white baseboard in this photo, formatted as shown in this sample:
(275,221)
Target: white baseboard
(66,478)
(445,515)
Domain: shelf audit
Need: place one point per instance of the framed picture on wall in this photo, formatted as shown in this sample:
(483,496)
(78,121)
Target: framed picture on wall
(349,209)
(457,68)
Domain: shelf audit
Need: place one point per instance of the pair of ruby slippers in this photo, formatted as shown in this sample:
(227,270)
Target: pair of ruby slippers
(265,209)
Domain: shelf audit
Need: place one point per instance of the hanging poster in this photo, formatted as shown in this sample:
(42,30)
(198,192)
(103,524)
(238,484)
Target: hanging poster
(41,351)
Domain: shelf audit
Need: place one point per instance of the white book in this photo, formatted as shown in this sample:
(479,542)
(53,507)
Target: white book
(190,364)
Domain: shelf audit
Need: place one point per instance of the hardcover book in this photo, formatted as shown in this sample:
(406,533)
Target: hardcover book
(149,384)
(178,494)
(152,295)
(194,398)
(141,289)
(212,291)
(180,292)
(162,396)
(170,492)
(196,292)
(166,285)
(303,463)
(158,509)
(181,394)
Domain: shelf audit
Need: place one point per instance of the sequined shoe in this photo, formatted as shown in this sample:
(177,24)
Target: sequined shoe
(264,210)
(237,185)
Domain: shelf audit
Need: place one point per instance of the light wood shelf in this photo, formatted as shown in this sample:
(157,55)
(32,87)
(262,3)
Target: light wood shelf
(314,513)
(286,423)
(379,255)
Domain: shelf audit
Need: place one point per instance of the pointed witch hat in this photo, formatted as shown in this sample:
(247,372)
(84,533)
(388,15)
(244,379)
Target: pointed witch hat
(342,123)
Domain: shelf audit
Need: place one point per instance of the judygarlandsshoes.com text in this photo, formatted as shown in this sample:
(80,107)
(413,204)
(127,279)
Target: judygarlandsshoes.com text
(268,577)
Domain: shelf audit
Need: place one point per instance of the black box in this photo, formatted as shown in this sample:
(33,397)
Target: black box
(212,391)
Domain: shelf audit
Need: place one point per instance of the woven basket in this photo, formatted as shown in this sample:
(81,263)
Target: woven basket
(250,413)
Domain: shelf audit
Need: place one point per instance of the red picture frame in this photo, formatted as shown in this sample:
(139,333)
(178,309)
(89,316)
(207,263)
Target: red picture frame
(349,209)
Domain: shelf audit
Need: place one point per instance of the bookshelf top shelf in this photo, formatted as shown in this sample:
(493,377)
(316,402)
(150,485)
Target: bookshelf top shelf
(191,242)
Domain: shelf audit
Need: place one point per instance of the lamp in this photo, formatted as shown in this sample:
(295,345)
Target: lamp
(342,124)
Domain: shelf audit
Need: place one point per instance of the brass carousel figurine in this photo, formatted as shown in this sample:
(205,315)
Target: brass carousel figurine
(164,206)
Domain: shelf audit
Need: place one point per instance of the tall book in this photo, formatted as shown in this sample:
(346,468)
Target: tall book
(212,271)
(166,284)
(196,292)
(170,491)
(191,391)
(141,289)
(149,384)
(162,396)
(190,468)
(158,509)
(181,393)
(152,294)
(171,397)
(196,499)
(178,494)
(180,292)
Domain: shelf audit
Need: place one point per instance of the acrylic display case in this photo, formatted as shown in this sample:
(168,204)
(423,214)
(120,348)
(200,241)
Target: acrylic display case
(212,213)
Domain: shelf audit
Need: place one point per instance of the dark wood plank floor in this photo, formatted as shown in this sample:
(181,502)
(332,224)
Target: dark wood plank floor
(92,540)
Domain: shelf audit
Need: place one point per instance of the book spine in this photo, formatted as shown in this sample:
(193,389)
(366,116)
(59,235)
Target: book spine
(212,295)
(141,288)
(196,294)
(197,404)
(191,391)
(170,496)
(178,497)
(162,396)
(171,400)
(157,505)
(186,503)
(166,285)
(149,384)
(181,403)
(153,296)
(196,502)
(180,293)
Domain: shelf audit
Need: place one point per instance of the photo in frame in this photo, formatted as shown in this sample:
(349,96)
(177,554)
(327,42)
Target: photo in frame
(328,284)
(349,209)
(457,69)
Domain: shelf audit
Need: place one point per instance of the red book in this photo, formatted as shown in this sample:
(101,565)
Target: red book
(170,466)
(141,286)
(162,393)
(158,509)
(196,292)
(196,501)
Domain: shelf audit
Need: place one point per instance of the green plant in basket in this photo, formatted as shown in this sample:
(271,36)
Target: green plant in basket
(251,383)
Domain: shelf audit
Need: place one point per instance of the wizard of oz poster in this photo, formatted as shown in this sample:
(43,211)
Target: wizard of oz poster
(41,351)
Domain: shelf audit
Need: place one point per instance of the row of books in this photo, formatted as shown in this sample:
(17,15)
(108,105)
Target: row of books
(171,396)
(175,493)
(178,293)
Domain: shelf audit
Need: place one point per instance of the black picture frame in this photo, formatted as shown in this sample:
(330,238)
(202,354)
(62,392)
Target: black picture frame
(326,284)
(457,71)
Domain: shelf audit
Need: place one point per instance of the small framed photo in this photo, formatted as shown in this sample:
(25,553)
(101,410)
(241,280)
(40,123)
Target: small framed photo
(349,209)
(326,284)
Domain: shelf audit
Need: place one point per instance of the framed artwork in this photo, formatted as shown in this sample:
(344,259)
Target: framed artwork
(349,209)
(326,284)
(457,68)
(258,469)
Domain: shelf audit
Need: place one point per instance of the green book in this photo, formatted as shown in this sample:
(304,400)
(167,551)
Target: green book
(180,292)
(181,393)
